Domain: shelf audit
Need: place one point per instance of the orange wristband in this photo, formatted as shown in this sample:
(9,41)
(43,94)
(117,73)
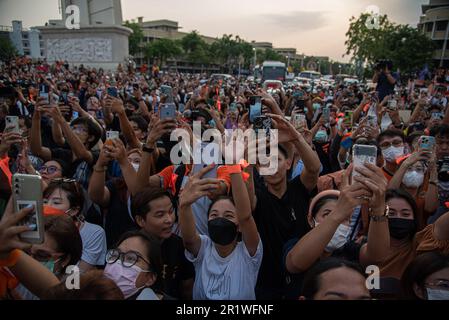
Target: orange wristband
(234,169)
(12,259)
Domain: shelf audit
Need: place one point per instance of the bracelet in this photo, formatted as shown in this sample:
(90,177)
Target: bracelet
(104,169)
(12,259)
(236,168)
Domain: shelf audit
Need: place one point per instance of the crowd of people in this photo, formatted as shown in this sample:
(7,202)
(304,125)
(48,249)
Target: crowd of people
(140,227)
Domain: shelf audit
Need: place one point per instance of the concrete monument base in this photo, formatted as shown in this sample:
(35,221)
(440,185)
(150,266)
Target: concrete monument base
(94,46)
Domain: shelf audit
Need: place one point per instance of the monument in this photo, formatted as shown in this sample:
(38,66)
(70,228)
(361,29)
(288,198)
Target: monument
(89,33)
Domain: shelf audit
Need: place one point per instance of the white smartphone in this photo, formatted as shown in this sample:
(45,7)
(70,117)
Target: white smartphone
(110,135)
(12,124)
(27,191)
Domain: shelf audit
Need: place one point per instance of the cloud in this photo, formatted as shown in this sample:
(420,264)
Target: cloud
(298,20)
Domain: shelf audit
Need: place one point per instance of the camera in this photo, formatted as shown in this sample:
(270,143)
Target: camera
(443,168)
(381,64)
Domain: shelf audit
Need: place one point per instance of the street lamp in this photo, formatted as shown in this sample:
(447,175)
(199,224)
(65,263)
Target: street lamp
(319,67)
(255,61)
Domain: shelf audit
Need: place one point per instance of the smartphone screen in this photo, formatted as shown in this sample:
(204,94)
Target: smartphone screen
(426,143)
(299,121)
(362,154)
(167,111)
(44,92)
(27,192)
(255,108)
(12,124)
(112,91)
(326,114)
(167,91)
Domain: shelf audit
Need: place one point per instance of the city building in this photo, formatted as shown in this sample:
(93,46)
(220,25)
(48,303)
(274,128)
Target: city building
(26,41)
(262,45)
(101,41)
(168,29)
(434,22)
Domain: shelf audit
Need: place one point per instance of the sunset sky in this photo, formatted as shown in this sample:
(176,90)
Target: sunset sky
(313,27)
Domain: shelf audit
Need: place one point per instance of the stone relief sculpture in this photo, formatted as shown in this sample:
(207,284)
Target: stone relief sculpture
(80,50)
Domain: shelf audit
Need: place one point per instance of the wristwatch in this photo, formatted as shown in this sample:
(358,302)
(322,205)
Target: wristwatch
(104,169)
(381,218)
(147,149)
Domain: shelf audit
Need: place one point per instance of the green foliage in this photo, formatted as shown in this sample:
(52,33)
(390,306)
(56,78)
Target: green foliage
(7,49)
(408,48)
(136,38)
(162,49)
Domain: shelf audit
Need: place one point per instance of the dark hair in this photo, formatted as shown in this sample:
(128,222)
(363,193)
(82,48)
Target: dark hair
(94,285)
(419,269)
(66,235)
(64,166)
(140,121)
(93,130)
(140,203)
(390,133)
(441,130)
(312,284)
(74,193)
(153,254)
(219,198)
(322,202)
(402,194)
(283,150)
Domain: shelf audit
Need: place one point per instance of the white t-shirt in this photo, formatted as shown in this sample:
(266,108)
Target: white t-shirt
(230,278)
(94,244)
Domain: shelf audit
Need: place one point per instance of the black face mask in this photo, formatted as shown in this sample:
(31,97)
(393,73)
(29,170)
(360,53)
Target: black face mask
(222,231)
(401,228)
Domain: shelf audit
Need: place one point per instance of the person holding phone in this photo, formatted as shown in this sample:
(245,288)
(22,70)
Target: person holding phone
(330,218)
(220,258)
(65,197)
(153,211)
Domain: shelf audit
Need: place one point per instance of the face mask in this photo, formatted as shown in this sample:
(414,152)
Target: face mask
(124,278)
(50,211)
(413,179)
(339,239)
(392,153)
(222,231)
(136,166)
(316,106)
(434,294)
(401,228)
(321,136)
(50,265)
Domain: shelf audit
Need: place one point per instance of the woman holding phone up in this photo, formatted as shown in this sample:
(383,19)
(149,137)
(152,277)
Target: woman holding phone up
(226,268)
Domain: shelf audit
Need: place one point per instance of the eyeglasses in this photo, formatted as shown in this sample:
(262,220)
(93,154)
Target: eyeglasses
(79,129)
(49,169)
(440,284)
(128,259)
(396,143)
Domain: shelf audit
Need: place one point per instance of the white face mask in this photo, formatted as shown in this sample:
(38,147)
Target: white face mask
(393,153)
(434,294)
(339,239)
(413,179)
(135,166)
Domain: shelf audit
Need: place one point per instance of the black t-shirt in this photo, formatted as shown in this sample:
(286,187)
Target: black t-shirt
(176,267)
(278,221)
(118,219)
(384,87)
(78,169)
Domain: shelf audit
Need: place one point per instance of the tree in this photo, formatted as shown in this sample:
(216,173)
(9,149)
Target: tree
(408,48)
(162,49)
(195,48)
(136,38)
(7,49)
(228,52)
